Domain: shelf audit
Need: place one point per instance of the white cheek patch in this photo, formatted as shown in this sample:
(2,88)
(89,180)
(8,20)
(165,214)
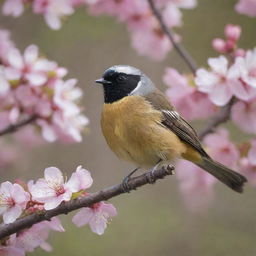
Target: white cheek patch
(126,70)
(137,89)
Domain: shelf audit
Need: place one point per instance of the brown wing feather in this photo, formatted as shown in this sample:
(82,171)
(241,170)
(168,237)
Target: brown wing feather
(175,122)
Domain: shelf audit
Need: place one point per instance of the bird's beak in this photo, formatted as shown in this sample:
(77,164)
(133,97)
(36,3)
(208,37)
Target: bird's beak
(102,81)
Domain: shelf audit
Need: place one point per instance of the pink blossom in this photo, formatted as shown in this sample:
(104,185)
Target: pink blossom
(219,45)
(233,32)
(243,114)
(4,84)
(222,83)
(247,7)
(221,148)
(13,7)
(244,69)
(66,94)
(151,39)
(191,103)
(53,11)
(248,169)
(13,200)
(248,164)
(97,217)
(81,179)
(29,239)
(196,185)
(5,44)
(52,190)
(29,66)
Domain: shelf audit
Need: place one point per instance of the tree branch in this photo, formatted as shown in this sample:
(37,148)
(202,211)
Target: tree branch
(221,117)
(179,48)
(14,127)
(66,207)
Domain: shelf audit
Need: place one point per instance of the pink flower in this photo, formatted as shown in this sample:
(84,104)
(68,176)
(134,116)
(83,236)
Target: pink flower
(247,7)
(215,83)
(243,114)
(5,44)
(29,66)
(221,149)
(249,170)
(53,11)
(13,200)
(81,179)
(219,45)
(150,39)
(4,84)
(248,164)
(222,83)
(13,7)
(233,32)
(66,94)
(52,190)
(244,69)
(196,185)
(191,103)
(36,236)
(97,217)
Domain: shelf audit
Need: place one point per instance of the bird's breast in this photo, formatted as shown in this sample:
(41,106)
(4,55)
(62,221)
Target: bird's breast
(132,128)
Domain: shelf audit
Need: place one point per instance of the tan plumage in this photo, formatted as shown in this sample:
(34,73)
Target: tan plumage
(133,130)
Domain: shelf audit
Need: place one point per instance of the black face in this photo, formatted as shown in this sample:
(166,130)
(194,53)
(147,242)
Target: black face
(117,85)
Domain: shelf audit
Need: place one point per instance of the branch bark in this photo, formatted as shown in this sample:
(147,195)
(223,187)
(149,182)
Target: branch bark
(14,127)
(179,48)
(66,207)
(221,117)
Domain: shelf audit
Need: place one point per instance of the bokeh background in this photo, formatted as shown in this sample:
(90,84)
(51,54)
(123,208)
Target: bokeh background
(152,220)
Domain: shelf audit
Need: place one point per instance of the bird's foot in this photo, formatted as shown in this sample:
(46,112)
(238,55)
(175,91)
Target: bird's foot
(125,184)
(169,168)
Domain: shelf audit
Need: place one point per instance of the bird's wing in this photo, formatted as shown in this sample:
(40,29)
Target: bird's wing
(174,122)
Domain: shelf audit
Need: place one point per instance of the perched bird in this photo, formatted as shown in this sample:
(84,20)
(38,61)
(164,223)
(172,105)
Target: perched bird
(141,126)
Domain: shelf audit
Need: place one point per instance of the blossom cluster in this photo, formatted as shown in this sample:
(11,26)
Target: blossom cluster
(20,199)
(146,34)
(230,76)
(31,85)
(247,7)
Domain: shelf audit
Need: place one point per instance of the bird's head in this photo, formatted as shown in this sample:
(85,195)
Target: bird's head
(122,80)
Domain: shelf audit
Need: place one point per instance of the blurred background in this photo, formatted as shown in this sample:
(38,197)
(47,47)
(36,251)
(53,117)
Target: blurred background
(153,220)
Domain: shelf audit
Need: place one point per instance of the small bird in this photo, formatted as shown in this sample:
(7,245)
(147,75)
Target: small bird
(142,127)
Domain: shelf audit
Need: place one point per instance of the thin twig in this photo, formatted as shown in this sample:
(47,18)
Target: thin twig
(179,48)
(66,207)
(14,127)
(221,117)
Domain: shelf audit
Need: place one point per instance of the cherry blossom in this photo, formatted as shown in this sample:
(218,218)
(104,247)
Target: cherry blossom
(248,163)
(247,7)
(52,190)
(5,44)
(31,85)
(222,82)
(244,69)
(53,11)
(221,148)
(13,7)
(191,103)
(13,200)
(96,216)
(29,66)
(243,114)
(196,185)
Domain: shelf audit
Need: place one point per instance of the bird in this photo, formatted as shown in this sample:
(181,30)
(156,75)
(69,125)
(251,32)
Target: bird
(142,127)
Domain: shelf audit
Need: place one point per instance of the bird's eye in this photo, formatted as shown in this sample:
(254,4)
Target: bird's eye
(121,78)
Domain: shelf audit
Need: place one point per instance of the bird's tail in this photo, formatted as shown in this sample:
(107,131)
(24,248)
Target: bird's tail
(231,178)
